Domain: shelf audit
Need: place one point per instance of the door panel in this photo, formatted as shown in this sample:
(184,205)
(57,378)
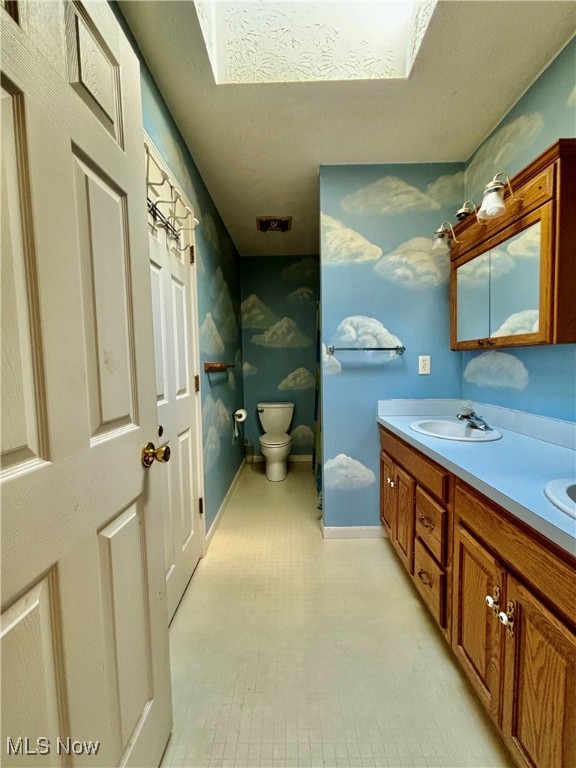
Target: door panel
(173,305)
(476,630)
(387,496)
(83,596)
(404,529)
(539,721)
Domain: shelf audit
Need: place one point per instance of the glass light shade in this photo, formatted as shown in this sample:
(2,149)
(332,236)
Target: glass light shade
(441,243)
(493,203)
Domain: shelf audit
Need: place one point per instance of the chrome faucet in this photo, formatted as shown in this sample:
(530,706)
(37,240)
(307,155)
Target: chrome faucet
(467,414)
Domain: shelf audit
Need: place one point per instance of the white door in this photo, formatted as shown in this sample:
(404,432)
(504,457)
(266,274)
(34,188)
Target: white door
(178,399)
(84,622)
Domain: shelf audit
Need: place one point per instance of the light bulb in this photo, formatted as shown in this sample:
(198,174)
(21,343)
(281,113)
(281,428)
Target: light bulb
(441,243)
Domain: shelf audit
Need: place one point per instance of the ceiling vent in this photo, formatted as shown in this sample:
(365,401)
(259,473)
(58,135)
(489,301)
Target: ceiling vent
(273,223)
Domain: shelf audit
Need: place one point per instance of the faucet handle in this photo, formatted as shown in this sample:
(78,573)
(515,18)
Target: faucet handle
(467,409)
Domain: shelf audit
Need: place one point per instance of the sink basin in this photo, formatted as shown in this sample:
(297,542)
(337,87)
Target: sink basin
(562,493)
(453,430)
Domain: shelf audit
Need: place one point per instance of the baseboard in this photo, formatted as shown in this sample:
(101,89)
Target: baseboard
(223,506)
(259,459)
(353,532)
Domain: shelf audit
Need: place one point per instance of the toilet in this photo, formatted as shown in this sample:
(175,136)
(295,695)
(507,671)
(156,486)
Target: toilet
(276,442)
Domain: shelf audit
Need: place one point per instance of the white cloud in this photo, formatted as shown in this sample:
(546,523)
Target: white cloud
(343,473)
(222,307)
(231,378)
(302,435)
(447,190)
(415,265)
(284,333)
(249,370)
(386,197)
(527,244)
(302,295)
(210,340)
(361,331)
(209,232)
(497,369)
(342,245)
(500,151)
(215,414)
(301,378)
(306,269)
(330,365)
(571,101)
(255,314)
(526,321)
(211,449)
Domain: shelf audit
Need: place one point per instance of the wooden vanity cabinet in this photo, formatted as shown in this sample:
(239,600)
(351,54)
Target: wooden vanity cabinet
(414,493)
(519,652)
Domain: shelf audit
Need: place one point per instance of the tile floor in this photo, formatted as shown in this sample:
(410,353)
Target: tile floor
(288,650)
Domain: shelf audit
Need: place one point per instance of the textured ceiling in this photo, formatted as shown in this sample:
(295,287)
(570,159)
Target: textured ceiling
(258,146)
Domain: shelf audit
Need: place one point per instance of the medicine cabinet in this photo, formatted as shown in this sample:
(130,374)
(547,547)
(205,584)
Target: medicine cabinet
(513,279)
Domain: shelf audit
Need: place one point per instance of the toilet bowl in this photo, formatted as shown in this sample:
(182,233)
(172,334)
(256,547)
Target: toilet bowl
(275,443)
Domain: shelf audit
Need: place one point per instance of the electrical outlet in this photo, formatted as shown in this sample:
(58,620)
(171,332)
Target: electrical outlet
(424,364)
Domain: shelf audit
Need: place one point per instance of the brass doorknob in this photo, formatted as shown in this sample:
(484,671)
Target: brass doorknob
(151,454)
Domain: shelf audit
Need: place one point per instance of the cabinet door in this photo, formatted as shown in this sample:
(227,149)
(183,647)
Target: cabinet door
(476,631)
(403,533)
(387,495)
(539,712)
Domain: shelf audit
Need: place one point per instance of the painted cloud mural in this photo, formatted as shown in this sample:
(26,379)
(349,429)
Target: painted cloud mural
(210,341)
(330,364)
(500,151)
(284,333)
(302,435)
(526,321)
(415,265)
(343,473)
(303,295)
(448,189)
(249,370)
(361,331)
(342,245)
(497,369)
(301,378)
(211,449)
(306,269)
(255,314)
(223,309)
(386,197)
(527,244)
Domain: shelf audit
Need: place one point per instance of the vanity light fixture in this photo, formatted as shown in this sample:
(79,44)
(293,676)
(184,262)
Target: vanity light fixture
(467,208)
(493,205)
(443,237)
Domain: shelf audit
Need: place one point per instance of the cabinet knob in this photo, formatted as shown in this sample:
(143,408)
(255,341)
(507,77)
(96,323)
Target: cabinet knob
(391,484)
(425,578)
(426,523)
(493,601)
(507,618)
(388,480)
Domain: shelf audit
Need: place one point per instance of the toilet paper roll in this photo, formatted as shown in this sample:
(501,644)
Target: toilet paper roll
(240,415)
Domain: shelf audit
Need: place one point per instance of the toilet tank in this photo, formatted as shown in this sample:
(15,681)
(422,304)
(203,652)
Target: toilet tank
(275,417)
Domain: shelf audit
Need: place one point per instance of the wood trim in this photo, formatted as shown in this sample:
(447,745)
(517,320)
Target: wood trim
(550,571)
(564,268)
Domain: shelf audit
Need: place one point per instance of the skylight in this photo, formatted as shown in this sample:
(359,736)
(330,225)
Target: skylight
(269,42)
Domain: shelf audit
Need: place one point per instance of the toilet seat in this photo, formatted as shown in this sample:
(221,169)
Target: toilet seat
(275,439)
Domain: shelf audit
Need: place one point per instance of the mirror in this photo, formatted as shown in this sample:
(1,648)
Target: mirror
(498,292)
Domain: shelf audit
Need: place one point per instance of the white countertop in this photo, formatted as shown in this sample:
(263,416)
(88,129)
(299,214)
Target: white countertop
(512,471)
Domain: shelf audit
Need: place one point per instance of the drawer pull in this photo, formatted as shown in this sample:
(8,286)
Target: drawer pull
(425,578)
(426,523)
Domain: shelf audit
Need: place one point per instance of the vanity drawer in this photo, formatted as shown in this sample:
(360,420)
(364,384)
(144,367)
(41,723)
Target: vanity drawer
(425,472)
(429,579)
(431,524)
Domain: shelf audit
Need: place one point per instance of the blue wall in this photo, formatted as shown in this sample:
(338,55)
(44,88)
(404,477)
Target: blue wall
(218,275)
(279,314)
(535,379)
(381,285)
